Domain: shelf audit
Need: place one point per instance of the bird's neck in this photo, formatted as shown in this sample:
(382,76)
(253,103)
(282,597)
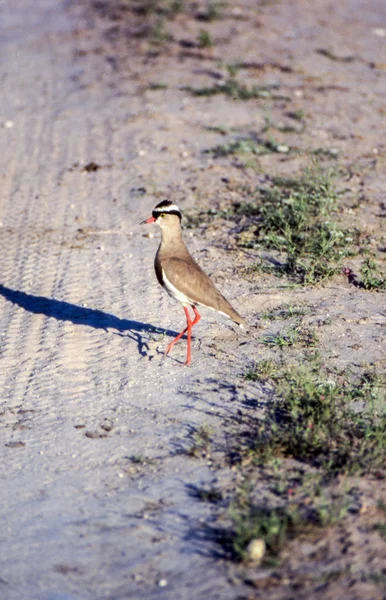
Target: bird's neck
(172,243)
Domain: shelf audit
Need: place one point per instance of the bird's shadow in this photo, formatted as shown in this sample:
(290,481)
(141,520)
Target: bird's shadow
(79,315)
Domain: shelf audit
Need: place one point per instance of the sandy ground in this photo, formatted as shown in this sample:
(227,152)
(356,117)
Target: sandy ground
(97,497)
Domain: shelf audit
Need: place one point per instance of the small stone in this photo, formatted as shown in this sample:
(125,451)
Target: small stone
(91,167)
(379,31)
(8,124)
(162,583)
(107,425)
(15,444)
(142,152)
(282,148)
(256,550)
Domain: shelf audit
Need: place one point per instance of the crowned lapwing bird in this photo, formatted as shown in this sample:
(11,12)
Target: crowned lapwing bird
(181,276)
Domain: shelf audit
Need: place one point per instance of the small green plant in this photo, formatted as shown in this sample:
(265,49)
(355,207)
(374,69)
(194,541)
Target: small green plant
(217,129)
(158,34)
(294,217)
(295,336)
(232,69)
(381,527)
(153,19)
(377,578)
(278,525)
(327,152)
(204,39)
(231,87)
(212,495)
(201,437)
(248,146)
(280,340)
(176,6)
(283,313)
(313,421)
(372,278)
(158,86)
(274,525)
(297,115)
(138,459)
(147,8)
(260,371)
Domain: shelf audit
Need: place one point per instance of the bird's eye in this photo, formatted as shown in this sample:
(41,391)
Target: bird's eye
(162,215)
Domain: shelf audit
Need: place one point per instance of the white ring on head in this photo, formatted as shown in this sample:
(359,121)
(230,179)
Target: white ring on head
(166,209)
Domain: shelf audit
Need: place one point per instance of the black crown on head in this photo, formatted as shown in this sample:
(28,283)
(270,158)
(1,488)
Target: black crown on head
(166,208)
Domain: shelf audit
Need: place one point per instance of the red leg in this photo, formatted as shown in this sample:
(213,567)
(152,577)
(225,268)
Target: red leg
(188,328)
(178,337)
(190,324)
(197,316)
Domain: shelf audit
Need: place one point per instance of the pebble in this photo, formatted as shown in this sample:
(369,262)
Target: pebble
(379,31)
(256,550)
(162,583)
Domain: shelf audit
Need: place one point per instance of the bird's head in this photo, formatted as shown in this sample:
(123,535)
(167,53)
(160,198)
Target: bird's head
(165,214)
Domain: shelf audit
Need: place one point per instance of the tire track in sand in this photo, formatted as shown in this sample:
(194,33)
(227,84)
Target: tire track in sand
(75,388)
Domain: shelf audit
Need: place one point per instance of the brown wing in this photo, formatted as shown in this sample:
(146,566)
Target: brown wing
(188,277)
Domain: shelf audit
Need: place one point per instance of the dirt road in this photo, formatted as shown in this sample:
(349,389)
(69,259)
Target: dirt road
(95,497)
(99,491)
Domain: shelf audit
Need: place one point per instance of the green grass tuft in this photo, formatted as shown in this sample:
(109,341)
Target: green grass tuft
(283,313)
(315,430)
(204,39)
(372,278)
(248,146)
(277,525)
(313,420)
(295,218)
(238,91)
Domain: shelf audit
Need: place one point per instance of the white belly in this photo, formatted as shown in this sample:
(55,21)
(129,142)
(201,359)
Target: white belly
(172,291)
